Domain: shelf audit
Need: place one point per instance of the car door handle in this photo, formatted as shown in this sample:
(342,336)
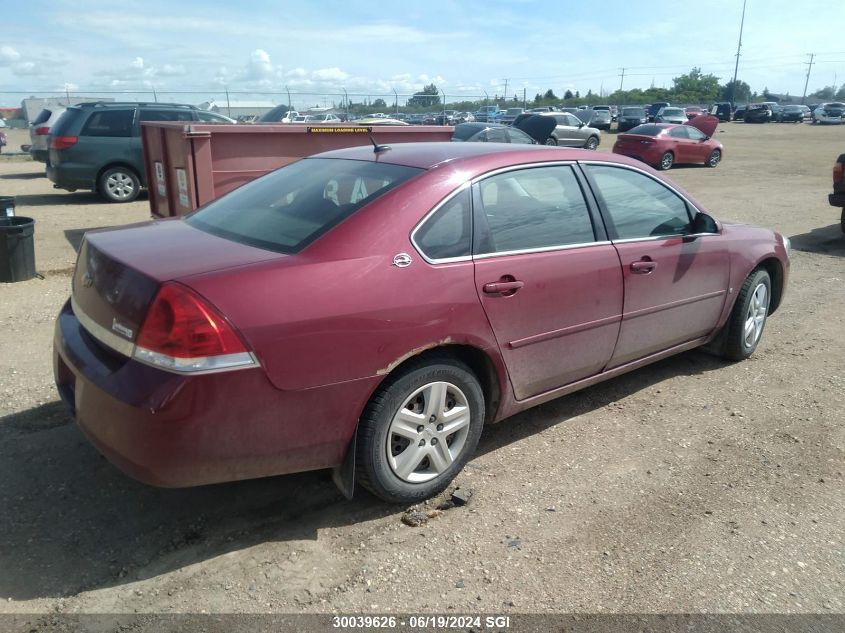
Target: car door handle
(643,267)
(505,288)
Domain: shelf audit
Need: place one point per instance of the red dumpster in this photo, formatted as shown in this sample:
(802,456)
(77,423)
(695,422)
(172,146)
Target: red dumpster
(191,165)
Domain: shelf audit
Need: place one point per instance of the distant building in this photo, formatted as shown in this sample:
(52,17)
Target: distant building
(238,109)
(32,106)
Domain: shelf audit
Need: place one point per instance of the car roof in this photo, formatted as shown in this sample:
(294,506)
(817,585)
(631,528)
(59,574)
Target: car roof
(480,156)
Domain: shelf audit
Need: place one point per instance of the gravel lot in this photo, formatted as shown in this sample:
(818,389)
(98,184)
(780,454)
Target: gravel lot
(690,486)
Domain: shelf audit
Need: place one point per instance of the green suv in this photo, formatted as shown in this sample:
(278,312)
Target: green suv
(97,146)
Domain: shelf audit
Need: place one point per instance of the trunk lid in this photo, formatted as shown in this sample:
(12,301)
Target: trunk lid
(536,126)
(119,271)
(706,123)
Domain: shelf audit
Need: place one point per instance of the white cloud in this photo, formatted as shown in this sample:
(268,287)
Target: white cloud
(259,68)
(330,74)
(8,55)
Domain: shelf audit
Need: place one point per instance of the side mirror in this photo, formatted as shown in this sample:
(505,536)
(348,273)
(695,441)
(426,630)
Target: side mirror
(703,223)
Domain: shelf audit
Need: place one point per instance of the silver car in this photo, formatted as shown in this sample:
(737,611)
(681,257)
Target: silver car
(671,115)
(39,132)
(570,131)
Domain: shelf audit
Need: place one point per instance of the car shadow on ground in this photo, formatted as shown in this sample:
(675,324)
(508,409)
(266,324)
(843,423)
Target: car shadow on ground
(29,175)
(72,522)
(828,240)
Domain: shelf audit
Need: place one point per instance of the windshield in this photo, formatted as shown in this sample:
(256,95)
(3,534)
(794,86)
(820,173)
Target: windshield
(634,112)
(291,207)
(672,112)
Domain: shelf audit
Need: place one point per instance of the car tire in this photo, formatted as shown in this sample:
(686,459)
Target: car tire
(403,453)
(748,317)
(842,220)
(550,141)
(666,161)
(592,143)
(714,158)
(119,184)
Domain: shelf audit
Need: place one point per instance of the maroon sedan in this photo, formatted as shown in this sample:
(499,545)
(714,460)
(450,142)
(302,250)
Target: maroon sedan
(370,309)
(663,145)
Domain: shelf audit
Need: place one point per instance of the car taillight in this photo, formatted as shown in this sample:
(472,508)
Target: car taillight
(42,131)
(63,142)
(838,170)
(184,333)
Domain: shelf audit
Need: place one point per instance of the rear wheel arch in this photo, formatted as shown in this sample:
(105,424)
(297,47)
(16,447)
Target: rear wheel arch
(476,360)
(123,165)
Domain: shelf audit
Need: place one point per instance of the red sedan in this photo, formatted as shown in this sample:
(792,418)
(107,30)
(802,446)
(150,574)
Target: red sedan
(663,145)
(370,309)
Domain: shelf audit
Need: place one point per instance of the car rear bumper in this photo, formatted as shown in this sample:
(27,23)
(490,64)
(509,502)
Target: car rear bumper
(70,176)
(39,154)
(837,199)
(170,430)
(648,155)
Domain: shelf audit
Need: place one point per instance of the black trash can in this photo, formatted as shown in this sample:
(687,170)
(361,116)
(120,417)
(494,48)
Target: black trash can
(7,206)
(17,248)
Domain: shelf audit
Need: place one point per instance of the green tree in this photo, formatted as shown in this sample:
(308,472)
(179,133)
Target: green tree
(827,93)
(429,96)
(695,87)
(742,93)
(550,95)
(568,95)
(379,103)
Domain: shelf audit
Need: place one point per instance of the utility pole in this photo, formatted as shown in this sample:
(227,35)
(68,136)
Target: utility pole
(807,81)
(622,75)
(506,89)
(738,47)
(525,103)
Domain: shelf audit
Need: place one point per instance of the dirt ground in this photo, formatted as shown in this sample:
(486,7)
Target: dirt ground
(690,486)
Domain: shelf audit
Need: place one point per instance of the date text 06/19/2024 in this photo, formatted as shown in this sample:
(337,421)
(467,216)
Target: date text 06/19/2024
(421,622)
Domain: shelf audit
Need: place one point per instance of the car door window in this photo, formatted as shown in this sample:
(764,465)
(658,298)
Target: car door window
(679,132)
(109,123)
(448,232)
(696,134)
(638,205)
(532,208)
(573,121)
(517,136)
(166,115)
(211,117)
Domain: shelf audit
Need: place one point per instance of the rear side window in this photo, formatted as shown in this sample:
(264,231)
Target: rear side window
(42,117)
(448,232)
(291,207)
(638,205)
(109,123)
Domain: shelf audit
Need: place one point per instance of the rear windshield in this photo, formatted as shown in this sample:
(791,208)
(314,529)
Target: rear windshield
(42,116)
(673,112)
(67,120)
(633,112)
(291,207)
(647,130)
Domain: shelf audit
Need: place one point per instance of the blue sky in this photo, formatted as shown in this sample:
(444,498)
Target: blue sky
(373,48)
